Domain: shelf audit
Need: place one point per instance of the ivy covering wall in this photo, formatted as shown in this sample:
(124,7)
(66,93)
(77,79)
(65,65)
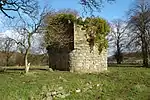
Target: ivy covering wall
(57,24)
(97,29)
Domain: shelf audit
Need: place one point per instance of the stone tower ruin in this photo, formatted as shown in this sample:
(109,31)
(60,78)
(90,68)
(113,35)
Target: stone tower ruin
(79,58)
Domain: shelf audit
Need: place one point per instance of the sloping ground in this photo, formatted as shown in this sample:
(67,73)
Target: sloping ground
(116,84)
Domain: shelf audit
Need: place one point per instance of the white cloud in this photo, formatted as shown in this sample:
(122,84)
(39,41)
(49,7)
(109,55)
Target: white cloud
(9,33)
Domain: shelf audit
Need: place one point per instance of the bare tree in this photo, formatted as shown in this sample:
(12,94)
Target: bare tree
(139,24)
(118,38)
(26,30)
(7,47)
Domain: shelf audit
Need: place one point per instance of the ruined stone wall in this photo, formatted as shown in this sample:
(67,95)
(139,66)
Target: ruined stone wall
(81,59)
(78,58)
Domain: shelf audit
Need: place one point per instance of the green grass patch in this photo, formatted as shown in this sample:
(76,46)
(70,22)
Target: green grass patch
(123,83)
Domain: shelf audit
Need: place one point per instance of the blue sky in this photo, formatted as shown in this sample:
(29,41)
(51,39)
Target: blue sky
(110,11)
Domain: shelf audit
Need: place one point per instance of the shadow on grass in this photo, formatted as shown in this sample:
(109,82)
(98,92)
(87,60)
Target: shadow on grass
(20,69)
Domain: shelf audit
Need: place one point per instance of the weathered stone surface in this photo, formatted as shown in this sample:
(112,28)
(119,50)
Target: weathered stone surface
(81,59)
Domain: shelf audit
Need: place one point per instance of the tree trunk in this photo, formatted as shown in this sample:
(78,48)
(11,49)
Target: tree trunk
(118,54)
(8,56)
(49,61)
(7,60)
(144,52)
(145,61)
(26,53)
(118,61)
(49,58)
(26,61)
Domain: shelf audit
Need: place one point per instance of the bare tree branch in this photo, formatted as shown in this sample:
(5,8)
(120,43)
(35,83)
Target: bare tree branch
(25,6)
(93,5)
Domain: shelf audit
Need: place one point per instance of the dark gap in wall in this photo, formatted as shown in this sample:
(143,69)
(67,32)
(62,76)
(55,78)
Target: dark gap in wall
(59,56)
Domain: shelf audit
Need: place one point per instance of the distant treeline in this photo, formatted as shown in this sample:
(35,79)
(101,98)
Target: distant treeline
(128,58)
(17,59)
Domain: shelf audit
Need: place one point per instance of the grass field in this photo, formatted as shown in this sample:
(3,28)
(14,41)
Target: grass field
(123,83)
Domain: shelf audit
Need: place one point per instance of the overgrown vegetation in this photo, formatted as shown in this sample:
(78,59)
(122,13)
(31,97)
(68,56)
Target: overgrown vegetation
(97,29)
(117,84)
(58,33)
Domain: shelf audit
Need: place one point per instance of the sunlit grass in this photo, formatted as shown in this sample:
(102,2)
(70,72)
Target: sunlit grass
(116,84)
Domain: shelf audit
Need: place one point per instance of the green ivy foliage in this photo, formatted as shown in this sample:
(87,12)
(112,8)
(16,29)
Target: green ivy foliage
(97,29)
(65,18)
(56,26)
